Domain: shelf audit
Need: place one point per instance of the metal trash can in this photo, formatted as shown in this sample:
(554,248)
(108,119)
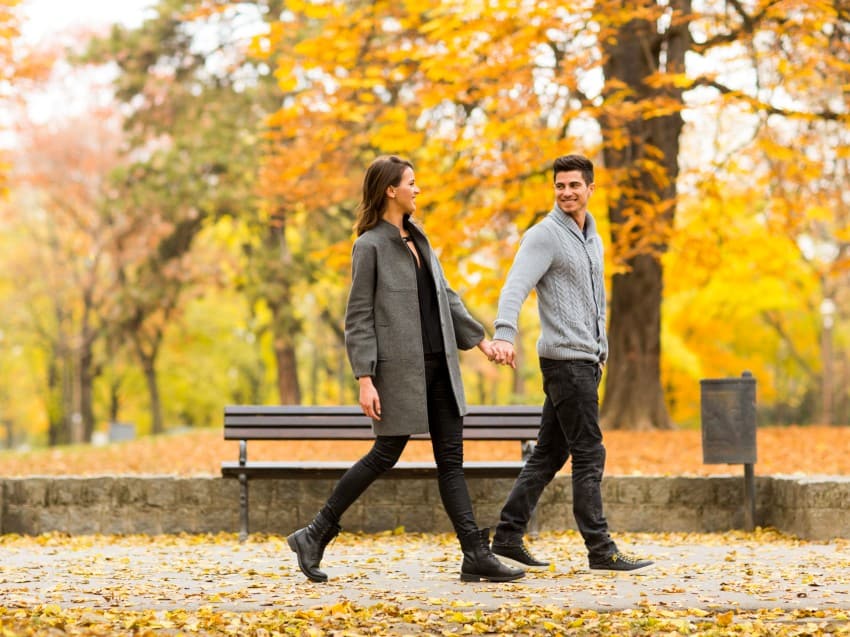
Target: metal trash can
(728,413)
(728,409)
(121,431)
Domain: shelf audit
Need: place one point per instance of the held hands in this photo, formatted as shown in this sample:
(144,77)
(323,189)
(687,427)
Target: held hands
(498,351)
(369,400)
(486,346)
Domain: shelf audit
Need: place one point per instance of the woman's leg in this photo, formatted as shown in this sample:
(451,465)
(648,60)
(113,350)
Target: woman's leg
(309,543)
(446,427)
(382,457)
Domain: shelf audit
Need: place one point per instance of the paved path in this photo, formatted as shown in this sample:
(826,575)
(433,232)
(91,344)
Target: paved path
(710,572)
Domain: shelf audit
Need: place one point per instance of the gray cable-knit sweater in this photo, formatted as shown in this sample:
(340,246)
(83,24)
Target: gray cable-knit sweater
(565,265)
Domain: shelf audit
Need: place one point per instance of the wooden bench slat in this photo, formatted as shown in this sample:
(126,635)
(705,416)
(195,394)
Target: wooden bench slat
(334,470)
(293,409)
(329,433)
(278,420)
(344,420)
(258,428)
(353,422)
(302,433)
(488,420)
(476,412)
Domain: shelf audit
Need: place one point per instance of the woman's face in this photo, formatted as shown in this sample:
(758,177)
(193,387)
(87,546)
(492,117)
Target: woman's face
(404,195)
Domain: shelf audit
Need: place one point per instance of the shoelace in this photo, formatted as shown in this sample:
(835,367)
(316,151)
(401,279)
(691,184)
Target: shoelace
(526,552)
(622,557)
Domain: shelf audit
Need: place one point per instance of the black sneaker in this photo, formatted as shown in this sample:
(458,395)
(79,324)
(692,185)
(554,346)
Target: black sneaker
(518,553)
(619,562)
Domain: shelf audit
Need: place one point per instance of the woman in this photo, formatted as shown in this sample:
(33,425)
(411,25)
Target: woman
(403,329)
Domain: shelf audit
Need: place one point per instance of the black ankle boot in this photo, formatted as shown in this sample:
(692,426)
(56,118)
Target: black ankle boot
(480,563)
(514,549)
(309,545)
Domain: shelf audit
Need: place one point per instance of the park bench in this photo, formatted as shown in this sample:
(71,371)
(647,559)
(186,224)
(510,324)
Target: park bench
(295,422)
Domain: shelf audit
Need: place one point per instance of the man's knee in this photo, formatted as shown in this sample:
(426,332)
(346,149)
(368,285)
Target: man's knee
(590,459)
(546,464)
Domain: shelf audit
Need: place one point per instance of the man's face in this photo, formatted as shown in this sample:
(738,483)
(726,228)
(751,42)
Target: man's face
(571,193)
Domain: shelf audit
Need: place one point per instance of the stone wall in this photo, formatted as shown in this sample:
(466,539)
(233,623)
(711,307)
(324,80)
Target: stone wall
(815,509)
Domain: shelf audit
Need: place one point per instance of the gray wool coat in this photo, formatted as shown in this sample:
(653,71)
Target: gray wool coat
(383,335)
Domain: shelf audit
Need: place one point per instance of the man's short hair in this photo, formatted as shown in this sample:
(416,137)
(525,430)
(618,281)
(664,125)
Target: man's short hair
(567,163)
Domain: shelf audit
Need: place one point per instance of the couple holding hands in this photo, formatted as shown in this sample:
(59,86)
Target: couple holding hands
(403,328)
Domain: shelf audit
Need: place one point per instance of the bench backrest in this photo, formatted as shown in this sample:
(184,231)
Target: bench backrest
(347,422)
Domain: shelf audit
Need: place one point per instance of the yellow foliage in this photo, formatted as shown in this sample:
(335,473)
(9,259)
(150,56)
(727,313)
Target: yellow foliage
(286,79)
(471,93)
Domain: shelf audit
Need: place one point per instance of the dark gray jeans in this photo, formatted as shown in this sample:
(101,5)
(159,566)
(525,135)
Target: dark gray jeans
(569,426)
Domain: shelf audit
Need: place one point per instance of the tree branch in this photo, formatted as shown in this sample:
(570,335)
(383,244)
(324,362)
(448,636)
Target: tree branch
(772,321)
(749,25)
(769,109)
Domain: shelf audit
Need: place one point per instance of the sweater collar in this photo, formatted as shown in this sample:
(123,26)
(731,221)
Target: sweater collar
(565,220)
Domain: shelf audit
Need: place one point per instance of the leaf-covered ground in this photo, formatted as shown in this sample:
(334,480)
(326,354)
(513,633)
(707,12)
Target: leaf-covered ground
(759,584)
(814,450)
(350,620)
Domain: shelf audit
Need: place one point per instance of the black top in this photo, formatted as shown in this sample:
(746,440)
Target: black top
(429,311)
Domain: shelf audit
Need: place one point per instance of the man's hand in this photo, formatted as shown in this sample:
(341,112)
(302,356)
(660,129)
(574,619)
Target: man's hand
(370,402)
(503,353)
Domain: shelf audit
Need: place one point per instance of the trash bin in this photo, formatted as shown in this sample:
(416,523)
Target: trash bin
(728,412)
(121,431)
(728,408)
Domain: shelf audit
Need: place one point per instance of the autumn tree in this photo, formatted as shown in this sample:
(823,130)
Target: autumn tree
(8,33)
(485,97)
(200,95)
(780,173)
(192,134)
(62,183)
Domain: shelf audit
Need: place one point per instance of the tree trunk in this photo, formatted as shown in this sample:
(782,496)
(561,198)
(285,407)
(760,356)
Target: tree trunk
(87,375)
(149,369)
(285,325)
(114,399)
(634,398)
(288,388)
(147,359)
(641,153)
(71,397)
(57,432)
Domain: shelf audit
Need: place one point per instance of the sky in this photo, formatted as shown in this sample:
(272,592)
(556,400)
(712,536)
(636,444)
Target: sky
(44,18)
(46,22)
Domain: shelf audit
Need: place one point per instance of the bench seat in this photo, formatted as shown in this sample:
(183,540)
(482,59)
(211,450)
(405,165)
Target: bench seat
(345,422)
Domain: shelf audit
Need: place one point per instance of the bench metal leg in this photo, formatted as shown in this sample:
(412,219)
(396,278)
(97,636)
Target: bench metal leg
(749,498)
(243,507)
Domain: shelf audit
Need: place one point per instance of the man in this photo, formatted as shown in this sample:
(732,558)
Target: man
(561,256)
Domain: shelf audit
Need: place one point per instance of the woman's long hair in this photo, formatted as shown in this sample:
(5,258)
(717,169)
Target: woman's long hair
(383,172)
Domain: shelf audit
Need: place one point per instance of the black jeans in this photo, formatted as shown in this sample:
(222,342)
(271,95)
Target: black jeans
(445,425)
(569,426)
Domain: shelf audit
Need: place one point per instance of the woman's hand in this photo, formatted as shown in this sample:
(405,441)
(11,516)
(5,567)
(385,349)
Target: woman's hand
(370,402)
(486,346)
